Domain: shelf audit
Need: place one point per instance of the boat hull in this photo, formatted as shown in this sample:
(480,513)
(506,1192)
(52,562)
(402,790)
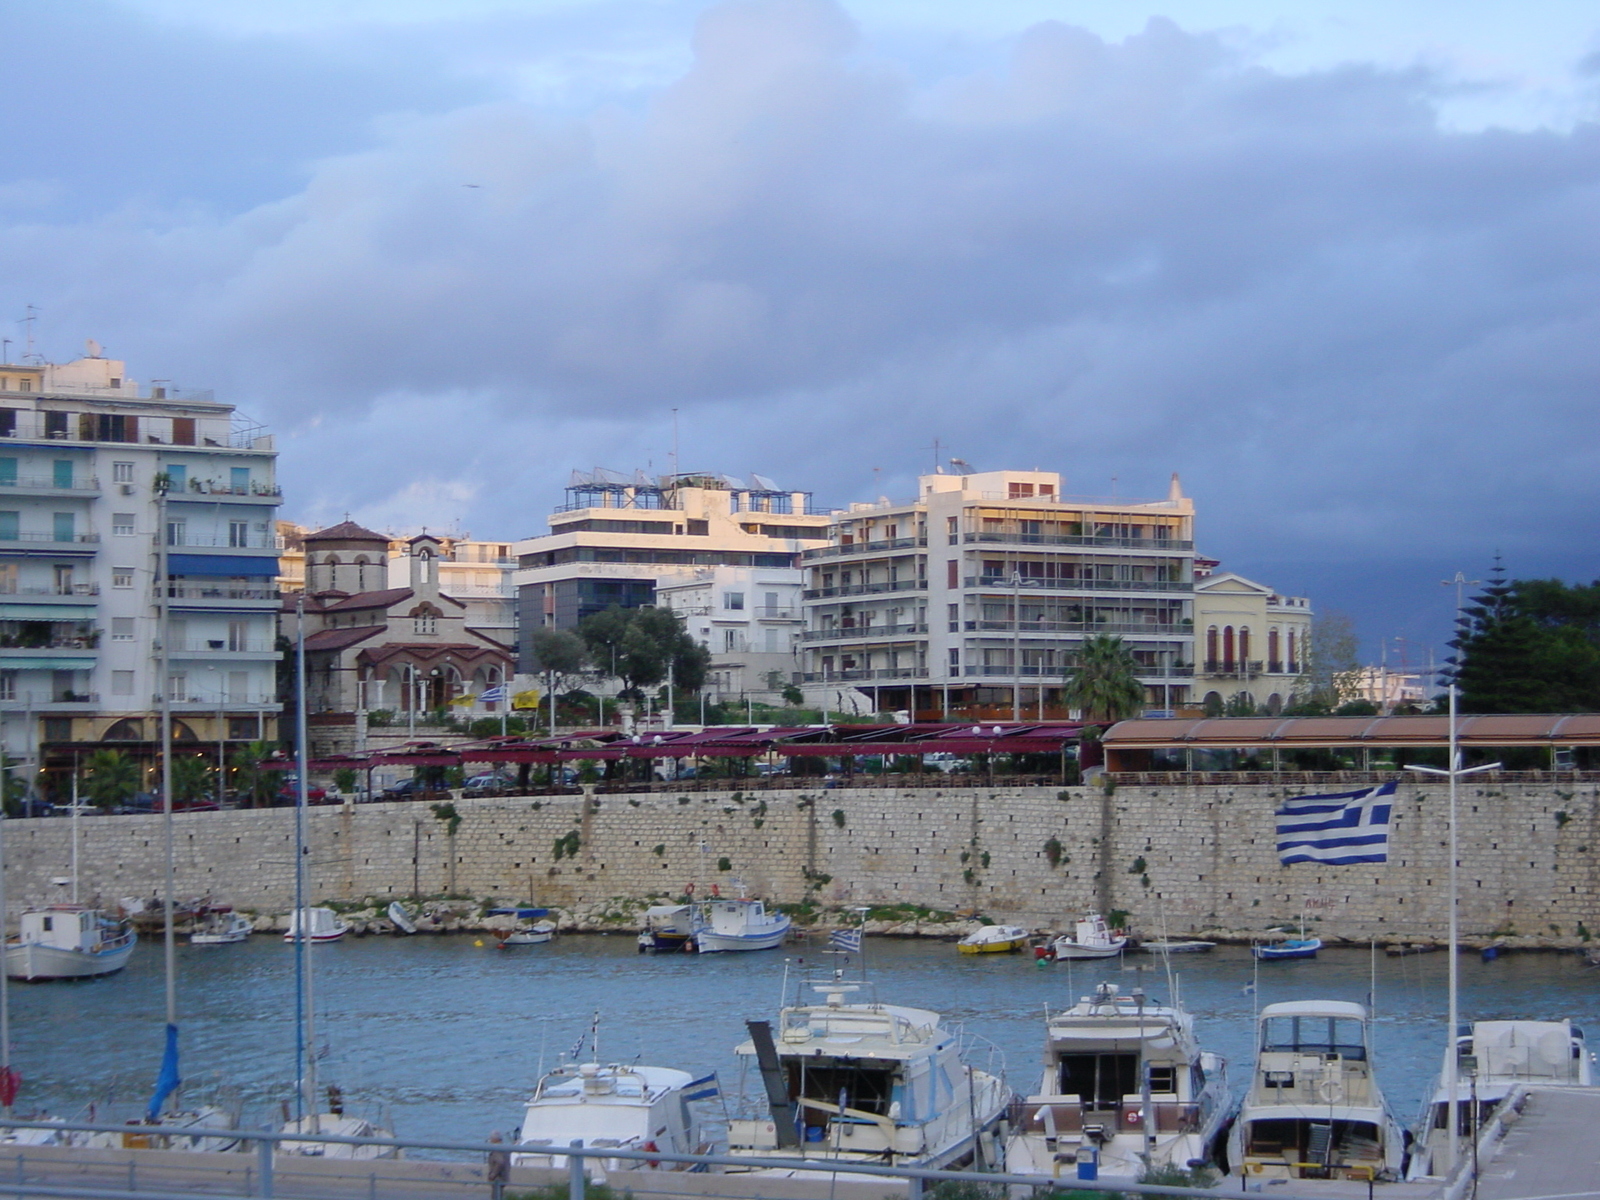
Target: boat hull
(401,919)
(1289,950)
(710,942)
(1065,950)
(35,963)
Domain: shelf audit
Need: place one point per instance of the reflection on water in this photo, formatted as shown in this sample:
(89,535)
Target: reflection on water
(445,1037)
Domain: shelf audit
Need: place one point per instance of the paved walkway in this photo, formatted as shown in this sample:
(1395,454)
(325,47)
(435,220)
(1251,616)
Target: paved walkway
(1552,1150)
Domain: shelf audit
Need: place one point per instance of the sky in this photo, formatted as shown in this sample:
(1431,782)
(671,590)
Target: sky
(1335,264)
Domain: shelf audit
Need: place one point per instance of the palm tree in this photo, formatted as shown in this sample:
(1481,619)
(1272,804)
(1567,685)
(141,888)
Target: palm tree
(113,778)
(191,778)
(1103,683)
(260,785)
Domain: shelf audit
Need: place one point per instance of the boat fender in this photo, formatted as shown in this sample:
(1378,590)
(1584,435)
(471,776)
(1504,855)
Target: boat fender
(647,1148)
(716,890)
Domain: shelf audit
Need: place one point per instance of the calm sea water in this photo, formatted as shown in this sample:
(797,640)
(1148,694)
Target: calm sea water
(444,1038)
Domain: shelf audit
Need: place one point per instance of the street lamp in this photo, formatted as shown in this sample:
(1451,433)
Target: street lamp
(1454,773)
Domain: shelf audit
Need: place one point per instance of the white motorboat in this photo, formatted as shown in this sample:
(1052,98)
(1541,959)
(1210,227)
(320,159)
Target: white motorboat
(67,941)
(1125,1082)
(1314,1108)
(616,1108)
(738,924)
(337,1124)
(1091,938)
(667,927)
(221,927)
(400,918)
(536,934)
(994,939)
(1495,1057)
(321,924)
(867,1082)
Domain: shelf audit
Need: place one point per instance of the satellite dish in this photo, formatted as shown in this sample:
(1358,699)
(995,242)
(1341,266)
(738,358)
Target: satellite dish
(93,347)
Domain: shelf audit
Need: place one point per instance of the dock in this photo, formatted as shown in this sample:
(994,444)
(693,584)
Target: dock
(1549,1147)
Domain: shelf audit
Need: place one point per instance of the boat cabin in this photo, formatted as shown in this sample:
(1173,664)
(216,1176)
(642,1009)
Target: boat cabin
(63,926)
(608,1107)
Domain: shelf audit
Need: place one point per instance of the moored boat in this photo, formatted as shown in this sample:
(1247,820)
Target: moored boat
(1125,1084)
(614,1107)
(667,927)
(1314,1108)
(221,927)
(1091,938)
(738,924)
(400,918)
(1178,947)
(994,939)
(536,934)
(67,941)
(321,925)
(1286,948)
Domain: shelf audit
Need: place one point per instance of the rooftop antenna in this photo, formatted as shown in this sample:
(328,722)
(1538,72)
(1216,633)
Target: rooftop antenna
(5,349)
(674,441)
(935,456)
(27,322)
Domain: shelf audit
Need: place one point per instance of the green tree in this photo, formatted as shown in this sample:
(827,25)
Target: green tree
(110,778)
(793,696)
(1529,646)
(559,652)
(250,778)
(1103,682)
(1333,666)
(13,785)
(1239,705)
(638,645)
(192,778)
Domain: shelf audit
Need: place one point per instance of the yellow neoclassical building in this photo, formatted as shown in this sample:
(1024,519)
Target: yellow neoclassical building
(1249,640)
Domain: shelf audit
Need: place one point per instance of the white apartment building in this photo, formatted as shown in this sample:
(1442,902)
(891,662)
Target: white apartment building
(749,618)
(86,537)
(971,598)
(618,538)
(1250,641)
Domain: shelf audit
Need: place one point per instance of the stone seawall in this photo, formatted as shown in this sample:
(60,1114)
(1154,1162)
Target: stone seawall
(1188,859)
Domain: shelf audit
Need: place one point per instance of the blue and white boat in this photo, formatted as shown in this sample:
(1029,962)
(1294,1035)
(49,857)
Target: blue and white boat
(1300,947)
(67,941)
(738,924)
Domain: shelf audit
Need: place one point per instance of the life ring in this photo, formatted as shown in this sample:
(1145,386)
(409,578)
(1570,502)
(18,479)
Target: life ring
(648,1147)
(1331,1091)
(688,889)
(1134,1117)
(715,890)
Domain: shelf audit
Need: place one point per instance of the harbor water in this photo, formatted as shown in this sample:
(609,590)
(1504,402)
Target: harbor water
(444,1036)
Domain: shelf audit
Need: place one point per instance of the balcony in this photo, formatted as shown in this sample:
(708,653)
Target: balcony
(1059,672)
(81,486)
(65,594)
(188,703)
(862,675)
(1084,627)
(1002,583)
(200,541)
(866,589)
(1004,537)
(220,596)
(885,546)
(46,703)
(862,633)
(765,612)
(207,491)
(224,648)
(1228,668)
(1274,667)
(31,542)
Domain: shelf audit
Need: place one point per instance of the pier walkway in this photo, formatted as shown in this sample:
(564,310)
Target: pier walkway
(1552,1148)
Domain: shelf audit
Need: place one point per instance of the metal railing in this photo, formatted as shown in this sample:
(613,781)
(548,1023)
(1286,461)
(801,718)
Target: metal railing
(31,536)
(1167,630)
(73,589)
(879,547)
(782,612)
(1069,539)
(1003,583)
(253,541)
(1057,671)
(194,592)
(856,675)
(210,487)
(866,589)
(861,633)
(221,646)
(77,483)
(1233,668)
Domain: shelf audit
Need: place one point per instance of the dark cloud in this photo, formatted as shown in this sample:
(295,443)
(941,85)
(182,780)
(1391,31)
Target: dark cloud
(1366,341)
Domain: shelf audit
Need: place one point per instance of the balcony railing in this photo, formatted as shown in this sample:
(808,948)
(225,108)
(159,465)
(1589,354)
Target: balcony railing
(49,483)
(49,701)
(58,641)
(1275,667)
(885,545)
(780,613)
(857,675)
(1229,668)
(1086,627)
(64,591)
(71,539)
(221,646)
(207,592)
(862,633)
(1003,583)
(198,488)
(1059,671)
(254,541)
(866,589)
(1048,539)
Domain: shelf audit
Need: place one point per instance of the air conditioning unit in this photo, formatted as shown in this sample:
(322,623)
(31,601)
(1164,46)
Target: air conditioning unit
(126,489)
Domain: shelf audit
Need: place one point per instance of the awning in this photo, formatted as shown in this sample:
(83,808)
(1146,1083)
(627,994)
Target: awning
(46,612)
(221,564)
(53,663)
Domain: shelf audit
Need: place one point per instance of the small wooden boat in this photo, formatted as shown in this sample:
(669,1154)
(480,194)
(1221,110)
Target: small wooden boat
(1406,949)
(666,927)
(738,924)
(1177,947)
(531,935)
(1092,938)
(400,918)
(221,927)
(67,941)
(321,924)
(994,939)
(1287,948)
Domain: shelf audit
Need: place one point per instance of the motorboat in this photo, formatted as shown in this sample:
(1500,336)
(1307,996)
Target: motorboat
(613,1107)
(337,1124)
(1285,948)
(400,918)
(321,924)
(1494,1058)
(1091,938)
(994,939)
(1125,1085)
(536,934)
(221,927)
(67,941)
(1177,947)
(667,927)
(1314,1109)
(738,923)
(850,1078)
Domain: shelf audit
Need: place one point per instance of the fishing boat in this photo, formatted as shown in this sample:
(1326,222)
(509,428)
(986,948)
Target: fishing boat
(1495,1058)
(67,941)
(1177,947)
(400,918)
(1300,947)
(321,924)
(738,923)
(221,927)
(529,929)
(667,927)
(1092,938)
(1314,1109)
(1125,1085)
(994,939)
(615,1107)
(868,1082)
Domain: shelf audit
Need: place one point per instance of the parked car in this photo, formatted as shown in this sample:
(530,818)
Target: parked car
(406,789)
(487,780)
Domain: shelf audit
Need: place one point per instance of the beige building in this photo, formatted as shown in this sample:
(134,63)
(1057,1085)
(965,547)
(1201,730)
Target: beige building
(749,619)
(973,597)
(1250,641)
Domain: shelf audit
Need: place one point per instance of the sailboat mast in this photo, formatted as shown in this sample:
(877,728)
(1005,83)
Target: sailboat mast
(74,827)
(5,992)
(302,917)
(164,652)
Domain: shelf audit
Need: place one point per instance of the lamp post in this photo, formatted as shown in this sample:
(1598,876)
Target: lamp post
(1016,645)
(1454,773)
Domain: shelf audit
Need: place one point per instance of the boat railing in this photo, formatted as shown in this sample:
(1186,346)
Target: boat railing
(461,1170)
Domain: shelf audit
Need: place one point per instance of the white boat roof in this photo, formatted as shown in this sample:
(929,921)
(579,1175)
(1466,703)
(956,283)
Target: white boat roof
(566,1083)
(661,910)
(854,1030)
(1315,1008)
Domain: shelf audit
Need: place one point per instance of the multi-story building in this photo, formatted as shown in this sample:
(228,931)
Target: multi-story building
(749,618)
(617,538)
(973,597)
(114,498)
(1250,641)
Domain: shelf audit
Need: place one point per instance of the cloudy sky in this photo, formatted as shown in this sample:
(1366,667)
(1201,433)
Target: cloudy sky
(1332,262)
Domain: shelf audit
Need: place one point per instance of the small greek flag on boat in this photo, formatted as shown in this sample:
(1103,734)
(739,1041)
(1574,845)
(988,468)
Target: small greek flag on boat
(704,1088)
(845,939)
(1351,827)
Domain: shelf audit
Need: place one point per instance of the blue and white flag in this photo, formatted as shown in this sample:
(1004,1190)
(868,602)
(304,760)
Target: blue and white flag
(494,695)
(845,939)
(704,1088)
(1351,827)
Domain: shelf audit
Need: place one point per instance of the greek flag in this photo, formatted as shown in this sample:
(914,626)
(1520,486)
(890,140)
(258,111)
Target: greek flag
(1351,827)
(704,1088)
(494,695)
(845,939)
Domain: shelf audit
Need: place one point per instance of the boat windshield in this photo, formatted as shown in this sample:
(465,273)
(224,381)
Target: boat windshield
(1315,1035)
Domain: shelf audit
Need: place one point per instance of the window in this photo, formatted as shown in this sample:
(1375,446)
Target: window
(122,524)
(238,533)
(239,480)
(179,475)
(425,622)
(955,618)
(238,635)
(952,573)
(177,533)
(952,530)
(8,685)
(182,432)
(733,600)
(8,526)
(178,686)
(122,577)
(61,473)
(57,729)
(8,472)
(8,579)
(730,640)
(122,472)
(122,629)
(63,527)
(238,689)
(122,683)
(63,578)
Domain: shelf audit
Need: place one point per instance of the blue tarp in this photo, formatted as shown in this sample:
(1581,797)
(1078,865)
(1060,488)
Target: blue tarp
(221,564)
(167,1082)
